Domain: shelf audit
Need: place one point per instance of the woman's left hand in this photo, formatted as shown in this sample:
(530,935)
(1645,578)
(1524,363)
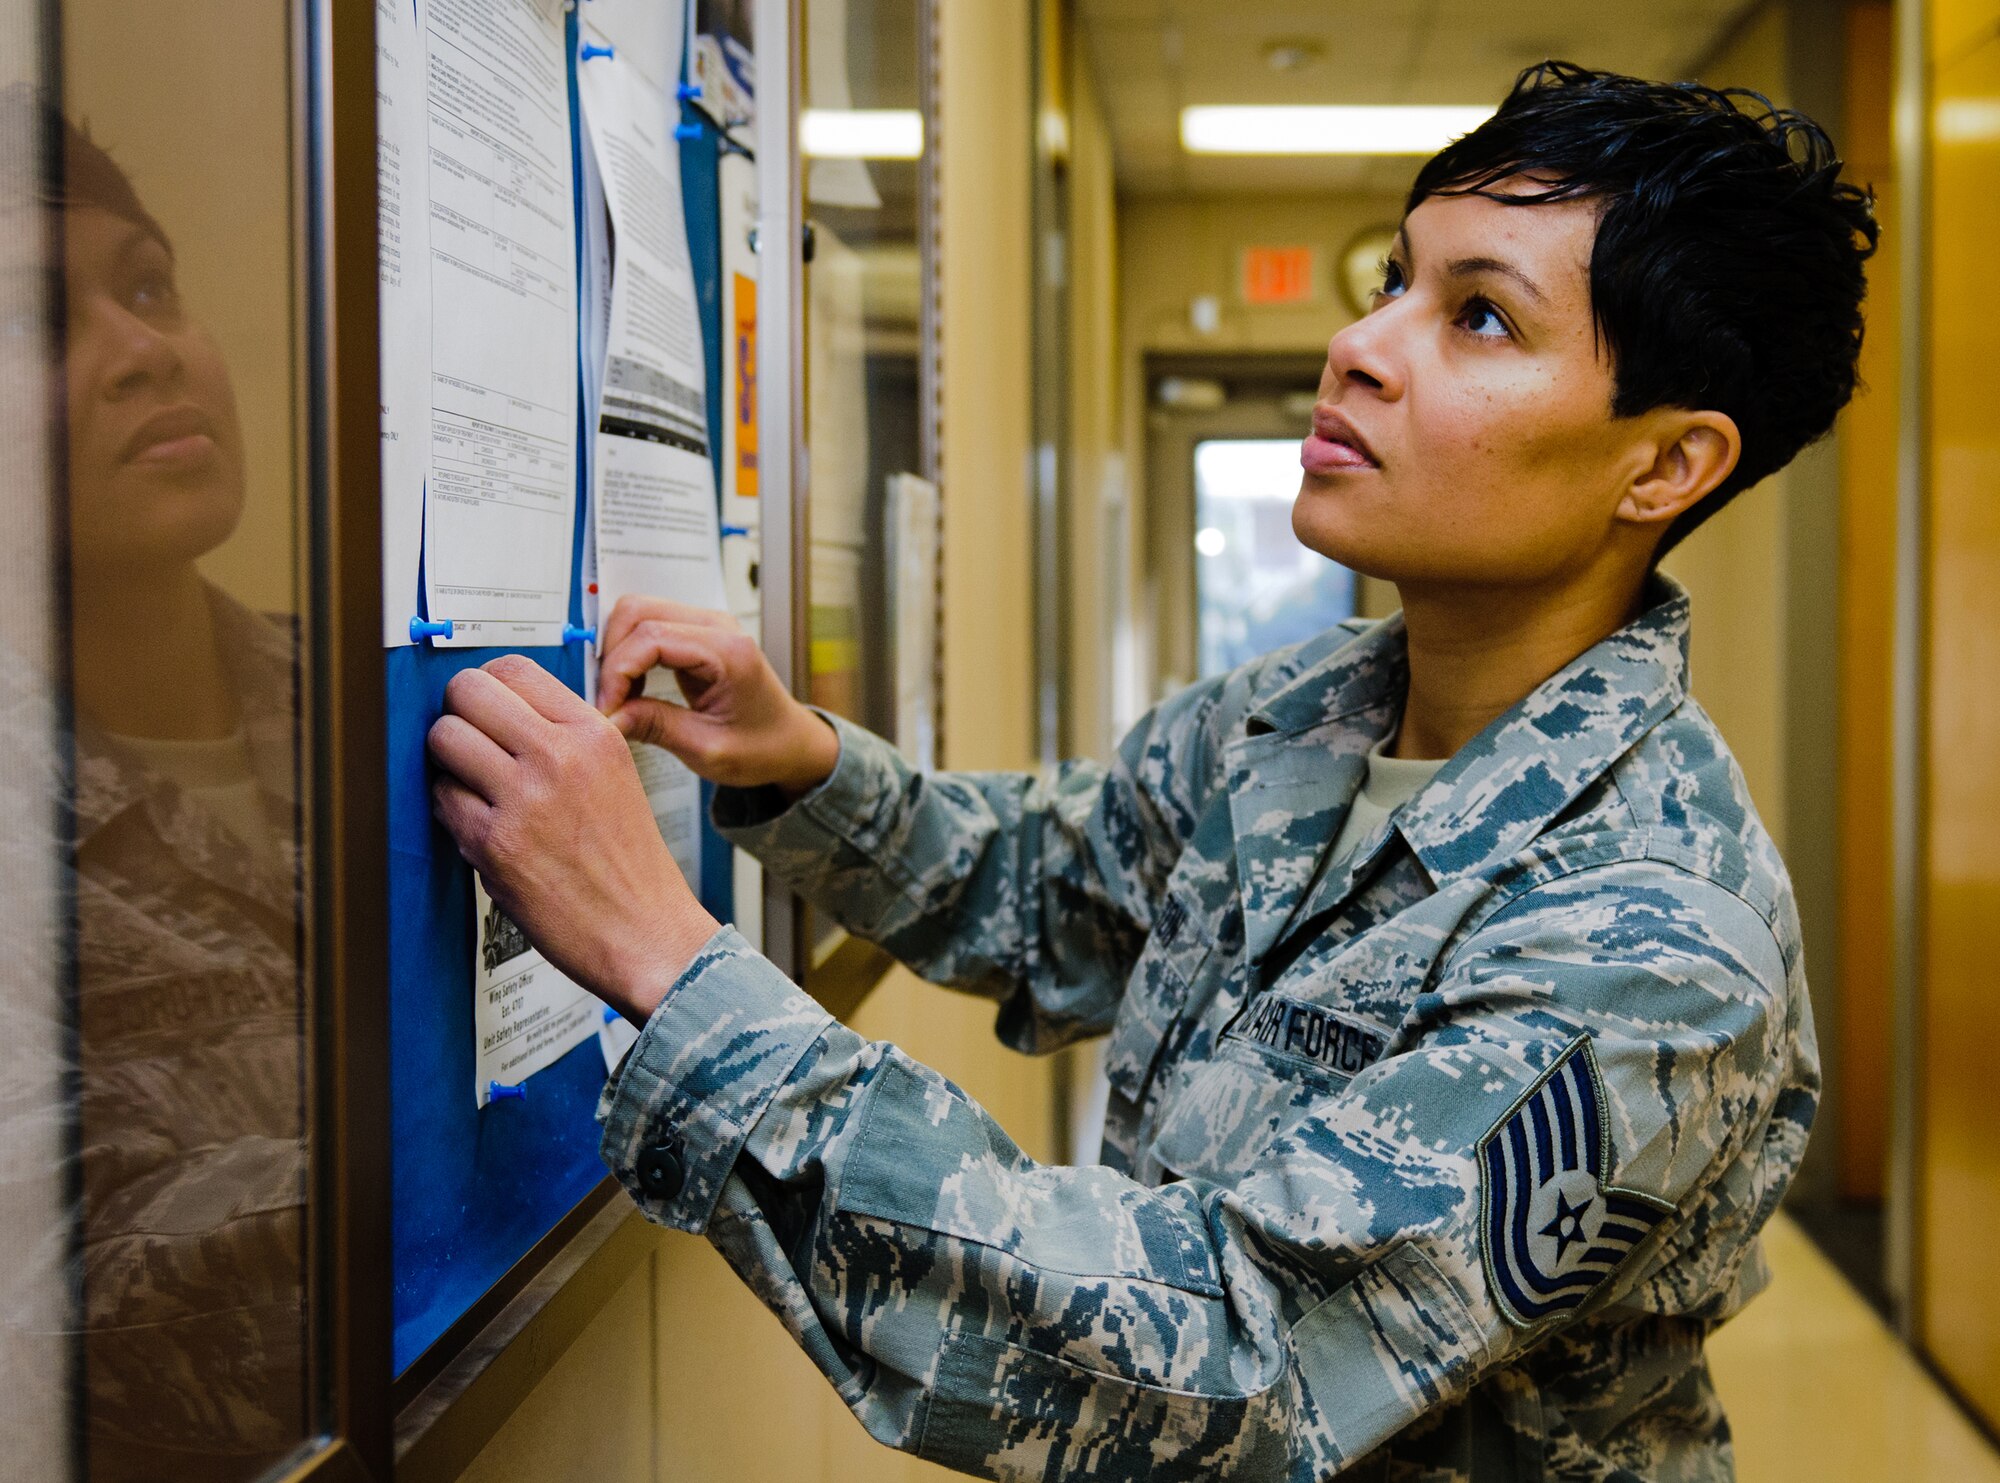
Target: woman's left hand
(542,797)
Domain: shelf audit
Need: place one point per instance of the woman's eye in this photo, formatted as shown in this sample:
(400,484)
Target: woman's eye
(1392,282)
(155,292)
(1482,319)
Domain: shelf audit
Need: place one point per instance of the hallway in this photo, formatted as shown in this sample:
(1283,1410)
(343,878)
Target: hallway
(1820,1391)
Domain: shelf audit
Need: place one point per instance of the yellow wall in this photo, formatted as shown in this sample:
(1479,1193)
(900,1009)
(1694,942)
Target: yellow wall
(1959,1172)
(684,1376)
(1101,524)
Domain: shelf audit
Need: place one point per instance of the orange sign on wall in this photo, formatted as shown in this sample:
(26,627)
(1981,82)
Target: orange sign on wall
(744,312)
(1278,275)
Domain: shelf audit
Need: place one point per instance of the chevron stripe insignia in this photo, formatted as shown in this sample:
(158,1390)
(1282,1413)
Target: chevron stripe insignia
(1554,1228)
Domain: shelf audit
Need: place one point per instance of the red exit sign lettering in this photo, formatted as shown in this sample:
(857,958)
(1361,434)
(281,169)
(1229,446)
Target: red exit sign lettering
(1278,275)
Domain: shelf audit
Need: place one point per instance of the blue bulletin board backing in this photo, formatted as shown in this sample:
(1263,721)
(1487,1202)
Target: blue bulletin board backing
(473,1190)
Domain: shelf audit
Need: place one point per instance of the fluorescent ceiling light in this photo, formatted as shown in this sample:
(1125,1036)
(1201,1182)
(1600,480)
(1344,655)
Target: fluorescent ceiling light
(862,133)
(1968,121)
(1326,130)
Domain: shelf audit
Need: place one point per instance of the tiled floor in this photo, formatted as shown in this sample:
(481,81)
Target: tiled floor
(1820,1391)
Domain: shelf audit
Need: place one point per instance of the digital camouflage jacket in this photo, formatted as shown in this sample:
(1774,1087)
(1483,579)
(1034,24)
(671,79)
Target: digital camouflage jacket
(1433,1163)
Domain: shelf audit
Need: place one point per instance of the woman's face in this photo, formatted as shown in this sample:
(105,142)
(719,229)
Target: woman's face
(1463,433)
(155,450)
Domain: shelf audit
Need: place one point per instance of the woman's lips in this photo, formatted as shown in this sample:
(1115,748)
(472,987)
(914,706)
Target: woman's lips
(180,437)
(1322,455)
(1335,444)
(190,450)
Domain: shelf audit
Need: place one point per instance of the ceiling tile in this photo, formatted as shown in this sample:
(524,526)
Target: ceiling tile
(1152,57)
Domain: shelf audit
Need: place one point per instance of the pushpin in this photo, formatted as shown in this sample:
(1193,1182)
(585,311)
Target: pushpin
(575,635)
(592,49)
(687,131)
(610,1015)
(736,530)
(496,1092)
(421,629)
(687,92)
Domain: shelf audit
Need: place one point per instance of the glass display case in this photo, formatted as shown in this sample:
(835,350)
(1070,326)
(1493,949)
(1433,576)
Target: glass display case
(195,1138)
(192,1161)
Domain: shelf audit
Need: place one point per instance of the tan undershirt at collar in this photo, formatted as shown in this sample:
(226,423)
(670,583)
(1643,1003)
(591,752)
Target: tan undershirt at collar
(1391,782)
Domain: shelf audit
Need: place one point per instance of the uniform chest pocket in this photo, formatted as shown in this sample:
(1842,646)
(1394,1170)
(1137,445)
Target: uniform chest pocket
(1155,997)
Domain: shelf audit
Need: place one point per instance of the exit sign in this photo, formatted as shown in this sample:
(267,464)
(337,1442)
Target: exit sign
(1278,275)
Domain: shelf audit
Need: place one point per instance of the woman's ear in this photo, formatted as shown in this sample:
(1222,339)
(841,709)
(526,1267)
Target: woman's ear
(1695,451)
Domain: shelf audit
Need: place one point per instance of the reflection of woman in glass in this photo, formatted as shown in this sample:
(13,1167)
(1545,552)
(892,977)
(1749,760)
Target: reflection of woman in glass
(187,883)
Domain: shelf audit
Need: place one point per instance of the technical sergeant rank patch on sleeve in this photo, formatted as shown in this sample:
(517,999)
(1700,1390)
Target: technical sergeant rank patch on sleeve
(1554,1230)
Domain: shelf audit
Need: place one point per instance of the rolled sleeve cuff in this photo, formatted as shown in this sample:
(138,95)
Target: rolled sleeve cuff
(678,1110)
(846,809)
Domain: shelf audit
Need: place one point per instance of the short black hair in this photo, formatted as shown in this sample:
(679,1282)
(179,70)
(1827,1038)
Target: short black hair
(47,160)
(1727,271)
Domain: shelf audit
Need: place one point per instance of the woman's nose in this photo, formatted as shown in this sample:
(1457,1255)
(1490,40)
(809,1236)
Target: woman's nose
(135,353)
(1365,354)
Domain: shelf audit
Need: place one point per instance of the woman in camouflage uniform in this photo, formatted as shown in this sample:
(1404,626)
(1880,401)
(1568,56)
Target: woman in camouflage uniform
(1458,1035)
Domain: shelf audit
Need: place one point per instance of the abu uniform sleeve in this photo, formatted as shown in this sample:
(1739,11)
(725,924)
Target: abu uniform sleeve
(1037,893)
(1610,1033)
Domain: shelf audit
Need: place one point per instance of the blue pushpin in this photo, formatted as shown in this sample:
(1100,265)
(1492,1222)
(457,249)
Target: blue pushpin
(574,635)
(421,629)
(496,1092)
(592,49)
(610,1015)
(687,92)
(736,530)
(687,131)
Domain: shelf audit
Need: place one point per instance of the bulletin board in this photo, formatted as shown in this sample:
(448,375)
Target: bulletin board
(475,1189)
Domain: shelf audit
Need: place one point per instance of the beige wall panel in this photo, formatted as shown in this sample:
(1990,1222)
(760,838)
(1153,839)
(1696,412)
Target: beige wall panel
(984,98)
(736,1398)
(1101,512)
(587,1422)
(189,96)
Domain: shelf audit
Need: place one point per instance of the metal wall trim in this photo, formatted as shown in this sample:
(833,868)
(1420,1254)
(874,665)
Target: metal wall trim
(1909,730)
(783,562)
(348,817)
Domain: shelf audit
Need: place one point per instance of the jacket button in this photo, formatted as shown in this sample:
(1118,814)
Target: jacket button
(660,1171)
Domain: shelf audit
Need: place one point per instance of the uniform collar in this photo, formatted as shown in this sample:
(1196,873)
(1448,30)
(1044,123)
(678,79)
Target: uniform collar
(1293,773)
(1504,786)
(259,657)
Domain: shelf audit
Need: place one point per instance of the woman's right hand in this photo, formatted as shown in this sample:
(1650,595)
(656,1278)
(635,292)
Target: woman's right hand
(740,726)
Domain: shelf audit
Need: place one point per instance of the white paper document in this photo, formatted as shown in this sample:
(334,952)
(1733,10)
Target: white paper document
(525,1015)
(653,509)
(675,796)
(403,262)
(501,505)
